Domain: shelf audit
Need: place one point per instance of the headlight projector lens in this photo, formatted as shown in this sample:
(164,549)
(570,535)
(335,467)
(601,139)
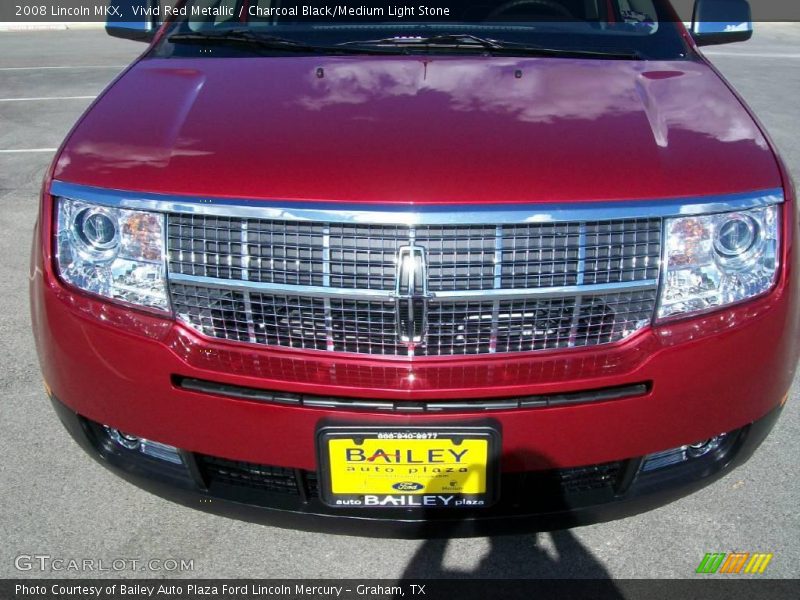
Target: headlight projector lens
(96,229)
(736,236)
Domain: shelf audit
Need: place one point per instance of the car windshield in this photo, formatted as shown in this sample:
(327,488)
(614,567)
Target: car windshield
(634,29)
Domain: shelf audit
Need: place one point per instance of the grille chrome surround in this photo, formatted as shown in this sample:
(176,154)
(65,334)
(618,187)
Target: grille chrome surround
(328,286)
(607,302)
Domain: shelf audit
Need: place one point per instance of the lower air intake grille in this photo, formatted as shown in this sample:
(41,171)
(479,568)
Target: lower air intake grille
(220,471)
(584,479)
(243,474)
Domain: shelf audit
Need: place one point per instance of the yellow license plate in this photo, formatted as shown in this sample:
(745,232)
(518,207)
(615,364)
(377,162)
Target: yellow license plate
(408,468)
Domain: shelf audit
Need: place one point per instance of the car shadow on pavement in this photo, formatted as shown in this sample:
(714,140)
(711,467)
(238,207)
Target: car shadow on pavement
(514,556)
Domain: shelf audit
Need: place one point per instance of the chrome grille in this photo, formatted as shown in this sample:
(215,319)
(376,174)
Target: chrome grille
(488,288)
(524,325)
(581,253)
(362,257)
(455,328)
(246,249)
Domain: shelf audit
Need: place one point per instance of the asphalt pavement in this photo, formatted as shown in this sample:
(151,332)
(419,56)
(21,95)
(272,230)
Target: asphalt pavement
(57,502)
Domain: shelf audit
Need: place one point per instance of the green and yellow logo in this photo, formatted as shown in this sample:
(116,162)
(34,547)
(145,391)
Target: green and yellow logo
(735,563)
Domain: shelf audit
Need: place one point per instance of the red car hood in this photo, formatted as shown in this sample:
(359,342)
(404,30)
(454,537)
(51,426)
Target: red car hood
(420,130)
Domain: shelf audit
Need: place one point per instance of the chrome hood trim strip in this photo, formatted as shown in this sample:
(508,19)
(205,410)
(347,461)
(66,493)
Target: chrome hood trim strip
(388,214)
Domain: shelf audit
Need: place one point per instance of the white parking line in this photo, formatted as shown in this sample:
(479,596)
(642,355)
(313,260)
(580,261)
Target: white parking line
(63,67)
(28,150)
(753,54)
(50,98)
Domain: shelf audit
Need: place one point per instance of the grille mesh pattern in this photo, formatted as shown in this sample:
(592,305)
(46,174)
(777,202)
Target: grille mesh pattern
(459,257)
(363,256)
(544,255)
(620,251)
(454,328)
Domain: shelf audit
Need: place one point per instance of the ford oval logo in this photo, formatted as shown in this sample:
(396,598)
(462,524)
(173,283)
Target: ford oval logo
(407,486)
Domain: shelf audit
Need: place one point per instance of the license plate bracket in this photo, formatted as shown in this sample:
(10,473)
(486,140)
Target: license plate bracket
(408,467)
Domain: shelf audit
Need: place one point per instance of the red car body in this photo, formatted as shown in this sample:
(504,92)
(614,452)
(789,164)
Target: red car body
(379,131)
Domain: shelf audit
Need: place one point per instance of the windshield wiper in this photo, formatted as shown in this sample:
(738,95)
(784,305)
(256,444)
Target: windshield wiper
(450,40)
(469,42)
(395,45)
(246,37)
(529,50)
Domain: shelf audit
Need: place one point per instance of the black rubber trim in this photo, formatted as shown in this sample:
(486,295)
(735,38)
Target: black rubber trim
(403,406)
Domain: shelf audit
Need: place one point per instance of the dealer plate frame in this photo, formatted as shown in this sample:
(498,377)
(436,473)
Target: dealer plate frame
(488,431)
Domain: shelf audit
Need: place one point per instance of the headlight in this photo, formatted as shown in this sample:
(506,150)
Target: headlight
(113,252)
(716,260)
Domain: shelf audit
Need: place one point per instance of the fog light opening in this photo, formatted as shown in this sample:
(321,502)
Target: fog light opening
(126,440)
(683,454)
(149,448)
(702,448)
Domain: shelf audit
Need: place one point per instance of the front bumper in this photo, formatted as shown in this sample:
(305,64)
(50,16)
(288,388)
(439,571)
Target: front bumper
(535,501)
(703,377)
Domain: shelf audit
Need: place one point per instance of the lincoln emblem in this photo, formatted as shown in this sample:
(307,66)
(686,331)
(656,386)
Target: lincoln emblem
(411,293)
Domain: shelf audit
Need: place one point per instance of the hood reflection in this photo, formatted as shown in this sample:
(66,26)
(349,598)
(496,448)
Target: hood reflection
(669,95)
